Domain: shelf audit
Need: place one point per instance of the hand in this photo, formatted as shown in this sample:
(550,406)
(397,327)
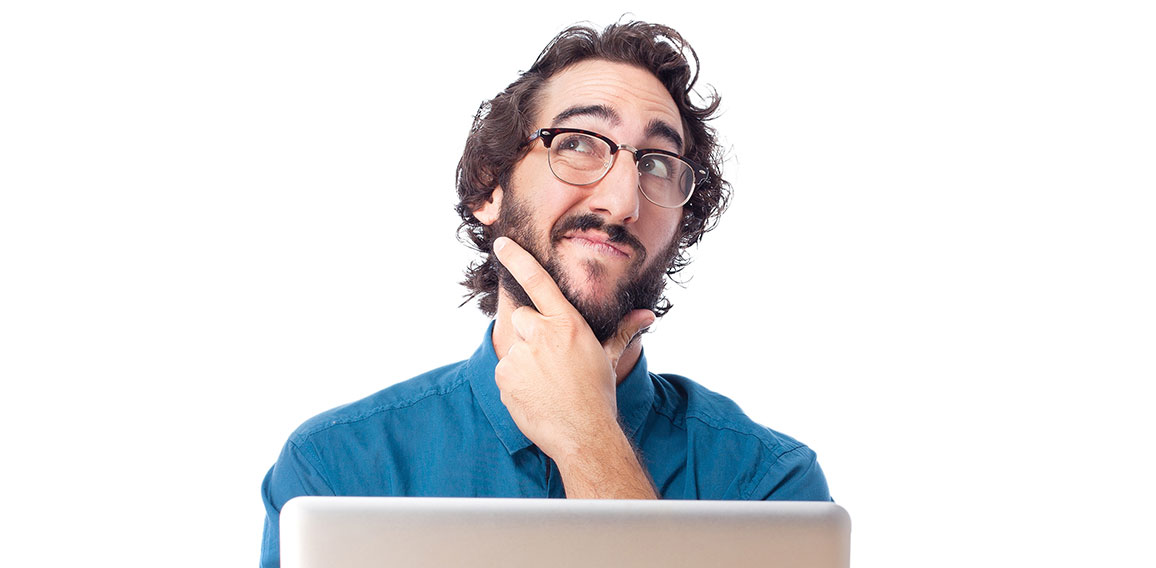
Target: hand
(556,380)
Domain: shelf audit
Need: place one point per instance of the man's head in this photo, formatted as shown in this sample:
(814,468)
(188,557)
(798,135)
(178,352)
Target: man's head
(606,243)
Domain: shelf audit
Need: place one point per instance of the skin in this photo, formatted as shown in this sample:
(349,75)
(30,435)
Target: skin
(556,379)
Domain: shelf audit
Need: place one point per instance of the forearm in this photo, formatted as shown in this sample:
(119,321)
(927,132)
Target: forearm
(608,468)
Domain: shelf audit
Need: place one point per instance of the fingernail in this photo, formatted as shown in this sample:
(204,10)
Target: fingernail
(499,243)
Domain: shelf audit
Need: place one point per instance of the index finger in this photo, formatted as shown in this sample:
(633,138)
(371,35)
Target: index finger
(537,283)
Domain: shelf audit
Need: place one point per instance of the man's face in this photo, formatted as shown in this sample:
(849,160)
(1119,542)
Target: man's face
(605,244)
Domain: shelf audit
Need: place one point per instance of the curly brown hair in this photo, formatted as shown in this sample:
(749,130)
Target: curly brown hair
(502,124)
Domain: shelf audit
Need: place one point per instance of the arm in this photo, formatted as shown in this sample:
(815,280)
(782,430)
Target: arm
(609,470)
(293,475)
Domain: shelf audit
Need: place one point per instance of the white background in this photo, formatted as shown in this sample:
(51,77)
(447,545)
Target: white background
(218,219)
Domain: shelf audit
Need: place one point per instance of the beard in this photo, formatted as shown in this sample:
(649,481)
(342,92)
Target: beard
(641,286)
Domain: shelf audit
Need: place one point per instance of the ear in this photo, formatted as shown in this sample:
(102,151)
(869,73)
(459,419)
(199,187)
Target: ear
(488,212)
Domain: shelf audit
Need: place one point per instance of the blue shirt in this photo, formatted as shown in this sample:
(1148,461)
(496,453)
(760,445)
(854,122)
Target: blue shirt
(446,433)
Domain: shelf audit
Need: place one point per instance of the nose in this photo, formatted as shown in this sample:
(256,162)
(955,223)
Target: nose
(616,195)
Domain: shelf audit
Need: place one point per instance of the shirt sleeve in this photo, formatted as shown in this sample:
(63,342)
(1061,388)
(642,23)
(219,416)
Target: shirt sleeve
(292,476)
(795,476)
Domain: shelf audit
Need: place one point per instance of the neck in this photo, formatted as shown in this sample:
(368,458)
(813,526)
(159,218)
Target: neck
(504,337)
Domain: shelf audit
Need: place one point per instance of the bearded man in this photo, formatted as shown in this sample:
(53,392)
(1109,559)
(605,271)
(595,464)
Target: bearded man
(582,184)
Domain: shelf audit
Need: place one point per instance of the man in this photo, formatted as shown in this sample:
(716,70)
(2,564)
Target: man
(582,184)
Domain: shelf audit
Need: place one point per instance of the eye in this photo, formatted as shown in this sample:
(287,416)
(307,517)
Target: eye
(579,143)
(655,165)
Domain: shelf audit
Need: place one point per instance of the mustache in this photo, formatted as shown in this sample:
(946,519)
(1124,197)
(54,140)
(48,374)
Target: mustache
(592,222)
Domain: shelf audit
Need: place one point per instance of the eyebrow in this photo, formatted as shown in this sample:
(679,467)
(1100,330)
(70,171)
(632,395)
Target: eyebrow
(663,130)
(656,128)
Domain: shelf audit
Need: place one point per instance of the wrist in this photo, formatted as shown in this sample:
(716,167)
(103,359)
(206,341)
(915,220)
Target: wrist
(607,468)
(599,444)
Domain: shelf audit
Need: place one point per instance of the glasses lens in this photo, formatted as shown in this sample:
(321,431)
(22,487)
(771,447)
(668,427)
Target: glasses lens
(579,159)
(666,180)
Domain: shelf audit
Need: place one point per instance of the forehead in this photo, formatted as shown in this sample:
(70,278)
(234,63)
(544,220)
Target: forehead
(636,95)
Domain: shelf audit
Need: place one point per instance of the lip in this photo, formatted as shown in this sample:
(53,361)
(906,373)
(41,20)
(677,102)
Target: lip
(599,242)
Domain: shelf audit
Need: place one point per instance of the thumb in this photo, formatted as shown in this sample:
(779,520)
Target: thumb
(630,325)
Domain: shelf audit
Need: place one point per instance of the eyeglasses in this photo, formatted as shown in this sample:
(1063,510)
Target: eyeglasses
(580,157)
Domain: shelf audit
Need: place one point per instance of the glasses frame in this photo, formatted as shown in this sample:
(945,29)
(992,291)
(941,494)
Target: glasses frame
(546,135)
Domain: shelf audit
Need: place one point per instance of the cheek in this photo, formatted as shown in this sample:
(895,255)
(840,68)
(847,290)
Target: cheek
(539,191)
(661,227)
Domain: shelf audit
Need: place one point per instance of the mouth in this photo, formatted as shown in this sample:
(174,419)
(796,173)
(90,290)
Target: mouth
(598,242)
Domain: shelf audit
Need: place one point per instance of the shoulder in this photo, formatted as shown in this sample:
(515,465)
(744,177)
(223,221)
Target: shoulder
(435,388)
(353,449)
(694,406)
(775,465)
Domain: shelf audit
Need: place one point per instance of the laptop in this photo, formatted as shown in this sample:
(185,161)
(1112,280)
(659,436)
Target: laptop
(363,532)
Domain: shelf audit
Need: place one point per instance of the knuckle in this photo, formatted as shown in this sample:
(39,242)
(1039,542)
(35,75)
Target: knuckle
(573,324)
(535,279)
(502,373)
(524,322)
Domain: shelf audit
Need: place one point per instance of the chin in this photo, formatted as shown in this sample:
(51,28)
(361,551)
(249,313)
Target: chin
(590,283)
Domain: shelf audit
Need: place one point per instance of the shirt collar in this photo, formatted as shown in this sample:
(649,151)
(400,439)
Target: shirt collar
(635,396)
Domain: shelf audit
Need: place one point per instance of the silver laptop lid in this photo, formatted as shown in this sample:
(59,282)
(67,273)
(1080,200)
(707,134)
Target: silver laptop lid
(360,532)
